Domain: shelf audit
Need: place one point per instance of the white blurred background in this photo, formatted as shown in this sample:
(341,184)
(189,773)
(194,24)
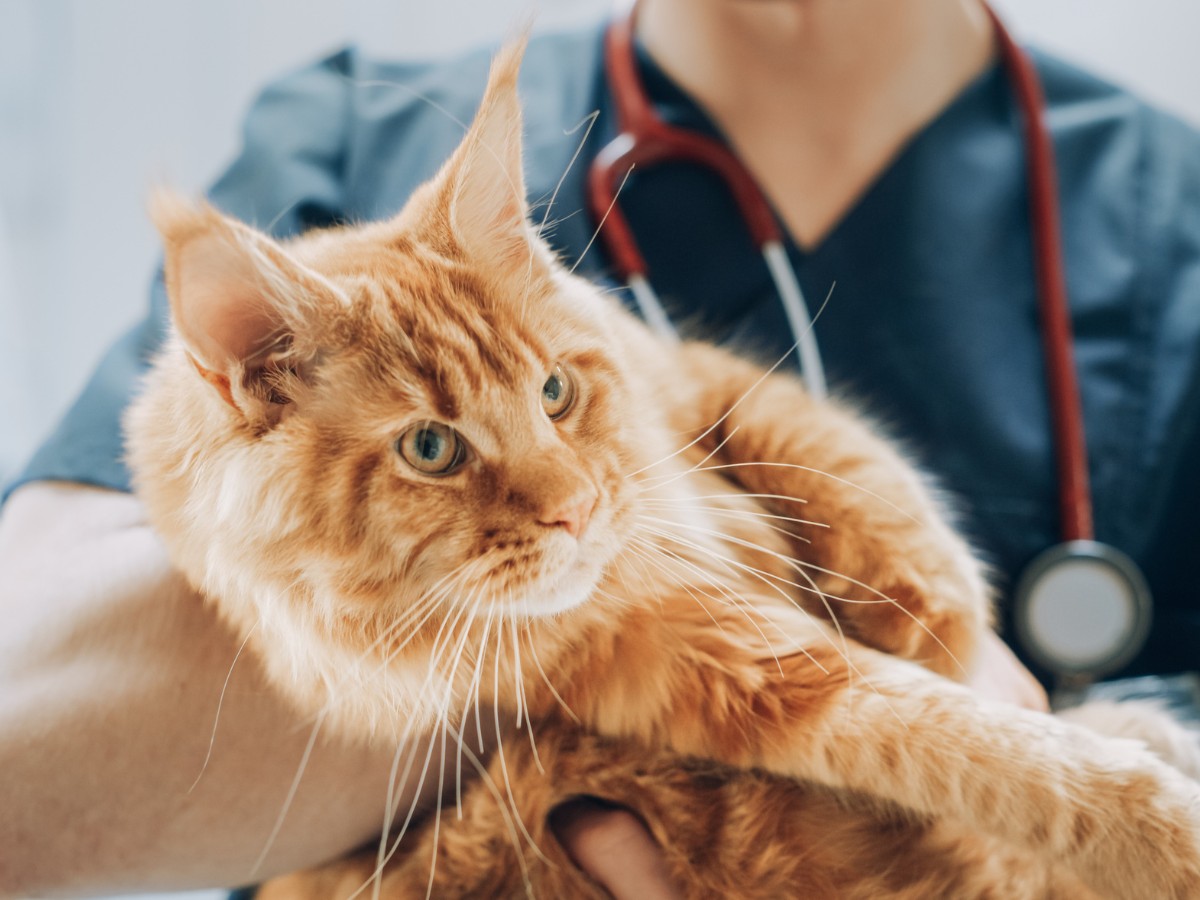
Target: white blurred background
(99,99)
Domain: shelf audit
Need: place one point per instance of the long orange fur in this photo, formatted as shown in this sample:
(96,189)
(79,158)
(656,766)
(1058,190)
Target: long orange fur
(711,597)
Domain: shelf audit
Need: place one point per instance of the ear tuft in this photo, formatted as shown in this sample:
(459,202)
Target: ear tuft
(506,64)
(174,214)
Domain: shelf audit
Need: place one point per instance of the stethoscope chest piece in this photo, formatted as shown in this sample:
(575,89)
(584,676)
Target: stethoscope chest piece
(1082,610)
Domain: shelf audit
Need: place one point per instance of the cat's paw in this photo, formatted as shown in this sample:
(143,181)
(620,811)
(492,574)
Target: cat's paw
(1146,844)
(1144,721)
(935,616)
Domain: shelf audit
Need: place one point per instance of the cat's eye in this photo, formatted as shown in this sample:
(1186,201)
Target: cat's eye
(558,393)
(432,448)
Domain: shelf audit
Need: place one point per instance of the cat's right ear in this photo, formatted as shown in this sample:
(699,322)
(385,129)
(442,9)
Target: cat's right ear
(243,307)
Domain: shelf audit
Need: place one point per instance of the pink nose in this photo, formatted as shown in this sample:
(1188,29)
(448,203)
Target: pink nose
(573,515)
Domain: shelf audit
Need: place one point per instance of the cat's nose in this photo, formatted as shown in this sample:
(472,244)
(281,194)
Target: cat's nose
(573,514)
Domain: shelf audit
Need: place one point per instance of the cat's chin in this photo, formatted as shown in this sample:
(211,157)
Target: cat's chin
(562,595)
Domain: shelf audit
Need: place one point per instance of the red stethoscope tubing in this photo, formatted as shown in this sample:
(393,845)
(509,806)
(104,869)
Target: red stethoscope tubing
(1066,415)
(644,140)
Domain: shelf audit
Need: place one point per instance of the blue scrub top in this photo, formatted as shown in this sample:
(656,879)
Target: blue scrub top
(932,326)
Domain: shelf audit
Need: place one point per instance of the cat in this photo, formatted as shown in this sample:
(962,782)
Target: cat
(426,470)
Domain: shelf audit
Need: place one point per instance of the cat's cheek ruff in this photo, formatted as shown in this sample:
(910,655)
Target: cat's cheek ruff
(344,686)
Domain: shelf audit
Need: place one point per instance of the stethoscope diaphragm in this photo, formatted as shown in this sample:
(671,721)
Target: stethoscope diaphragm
(1082,610)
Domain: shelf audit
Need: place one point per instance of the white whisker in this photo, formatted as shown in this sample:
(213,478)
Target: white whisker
(603,219)
(212,740)
(291,795)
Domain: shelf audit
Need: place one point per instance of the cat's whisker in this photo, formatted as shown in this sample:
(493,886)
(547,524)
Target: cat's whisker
(537,663)
(212,739)
(604,218)
(730,596)
(522,700)
(433,603)
(749,390)
(444,720)
(620,602)
(382,862)
(775,581)
(796,466)
(789,561)
(351,673)
(291,795)
(518,694)
(852,668)
(472,688)
(648,582)
(469,613)
(586,123)
(771,581)
(473,607)
(744,515)
(419,612)
(483,644)
(426,687)
(881,598)
(670,505)
(391,803)
(494,790)
(671,477)
(500,752)
(688,588)
(732,495)
(731,600)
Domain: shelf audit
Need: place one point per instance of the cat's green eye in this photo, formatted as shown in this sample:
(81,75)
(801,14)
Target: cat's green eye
(558,393)
(432,448)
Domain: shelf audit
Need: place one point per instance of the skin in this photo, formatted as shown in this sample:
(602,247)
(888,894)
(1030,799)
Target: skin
(99,755)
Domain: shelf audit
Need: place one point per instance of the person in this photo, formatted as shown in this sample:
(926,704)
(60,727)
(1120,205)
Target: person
(883,134)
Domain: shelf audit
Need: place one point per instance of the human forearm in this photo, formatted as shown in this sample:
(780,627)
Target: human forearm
(110,675)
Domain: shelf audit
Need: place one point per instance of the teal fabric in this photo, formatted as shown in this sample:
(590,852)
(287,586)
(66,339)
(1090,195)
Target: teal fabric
(932,324)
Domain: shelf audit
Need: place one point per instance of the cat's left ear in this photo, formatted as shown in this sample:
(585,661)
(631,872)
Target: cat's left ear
(482,186)
(249,314)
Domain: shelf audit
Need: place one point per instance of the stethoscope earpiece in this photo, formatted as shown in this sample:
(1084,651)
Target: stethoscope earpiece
(1082,610)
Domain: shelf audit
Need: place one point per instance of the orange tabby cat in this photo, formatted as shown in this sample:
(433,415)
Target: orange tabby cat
(427,470)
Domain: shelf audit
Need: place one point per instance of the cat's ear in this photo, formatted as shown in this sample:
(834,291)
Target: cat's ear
(246,311)
(482,186)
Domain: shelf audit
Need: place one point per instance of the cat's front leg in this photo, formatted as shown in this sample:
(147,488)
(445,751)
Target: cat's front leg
(1128,824)
(871,545)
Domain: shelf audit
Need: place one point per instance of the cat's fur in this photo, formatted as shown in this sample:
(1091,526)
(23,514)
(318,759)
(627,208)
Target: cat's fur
(661,563)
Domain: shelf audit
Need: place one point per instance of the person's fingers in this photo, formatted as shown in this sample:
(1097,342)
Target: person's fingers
(999,675)
(613,846)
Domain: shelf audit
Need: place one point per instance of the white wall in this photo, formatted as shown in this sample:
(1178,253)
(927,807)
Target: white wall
(99,99)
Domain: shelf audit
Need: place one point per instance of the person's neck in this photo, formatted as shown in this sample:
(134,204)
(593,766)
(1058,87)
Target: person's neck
(818,96)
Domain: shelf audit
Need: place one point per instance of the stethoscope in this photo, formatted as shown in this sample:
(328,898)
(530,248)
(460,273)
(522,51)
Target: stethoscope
(1082,608)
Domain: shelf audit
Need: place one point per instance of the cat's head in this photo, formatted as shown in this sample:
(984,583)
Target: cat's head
(421,415)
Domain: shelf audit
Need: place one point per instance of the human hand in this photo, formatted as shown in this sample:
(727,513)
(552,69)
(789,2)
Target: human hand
(999,675)
(613,846)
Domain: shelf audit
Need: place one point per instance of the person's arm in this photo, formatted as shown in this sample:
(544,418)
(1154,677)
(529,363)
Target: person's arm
(111,671)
